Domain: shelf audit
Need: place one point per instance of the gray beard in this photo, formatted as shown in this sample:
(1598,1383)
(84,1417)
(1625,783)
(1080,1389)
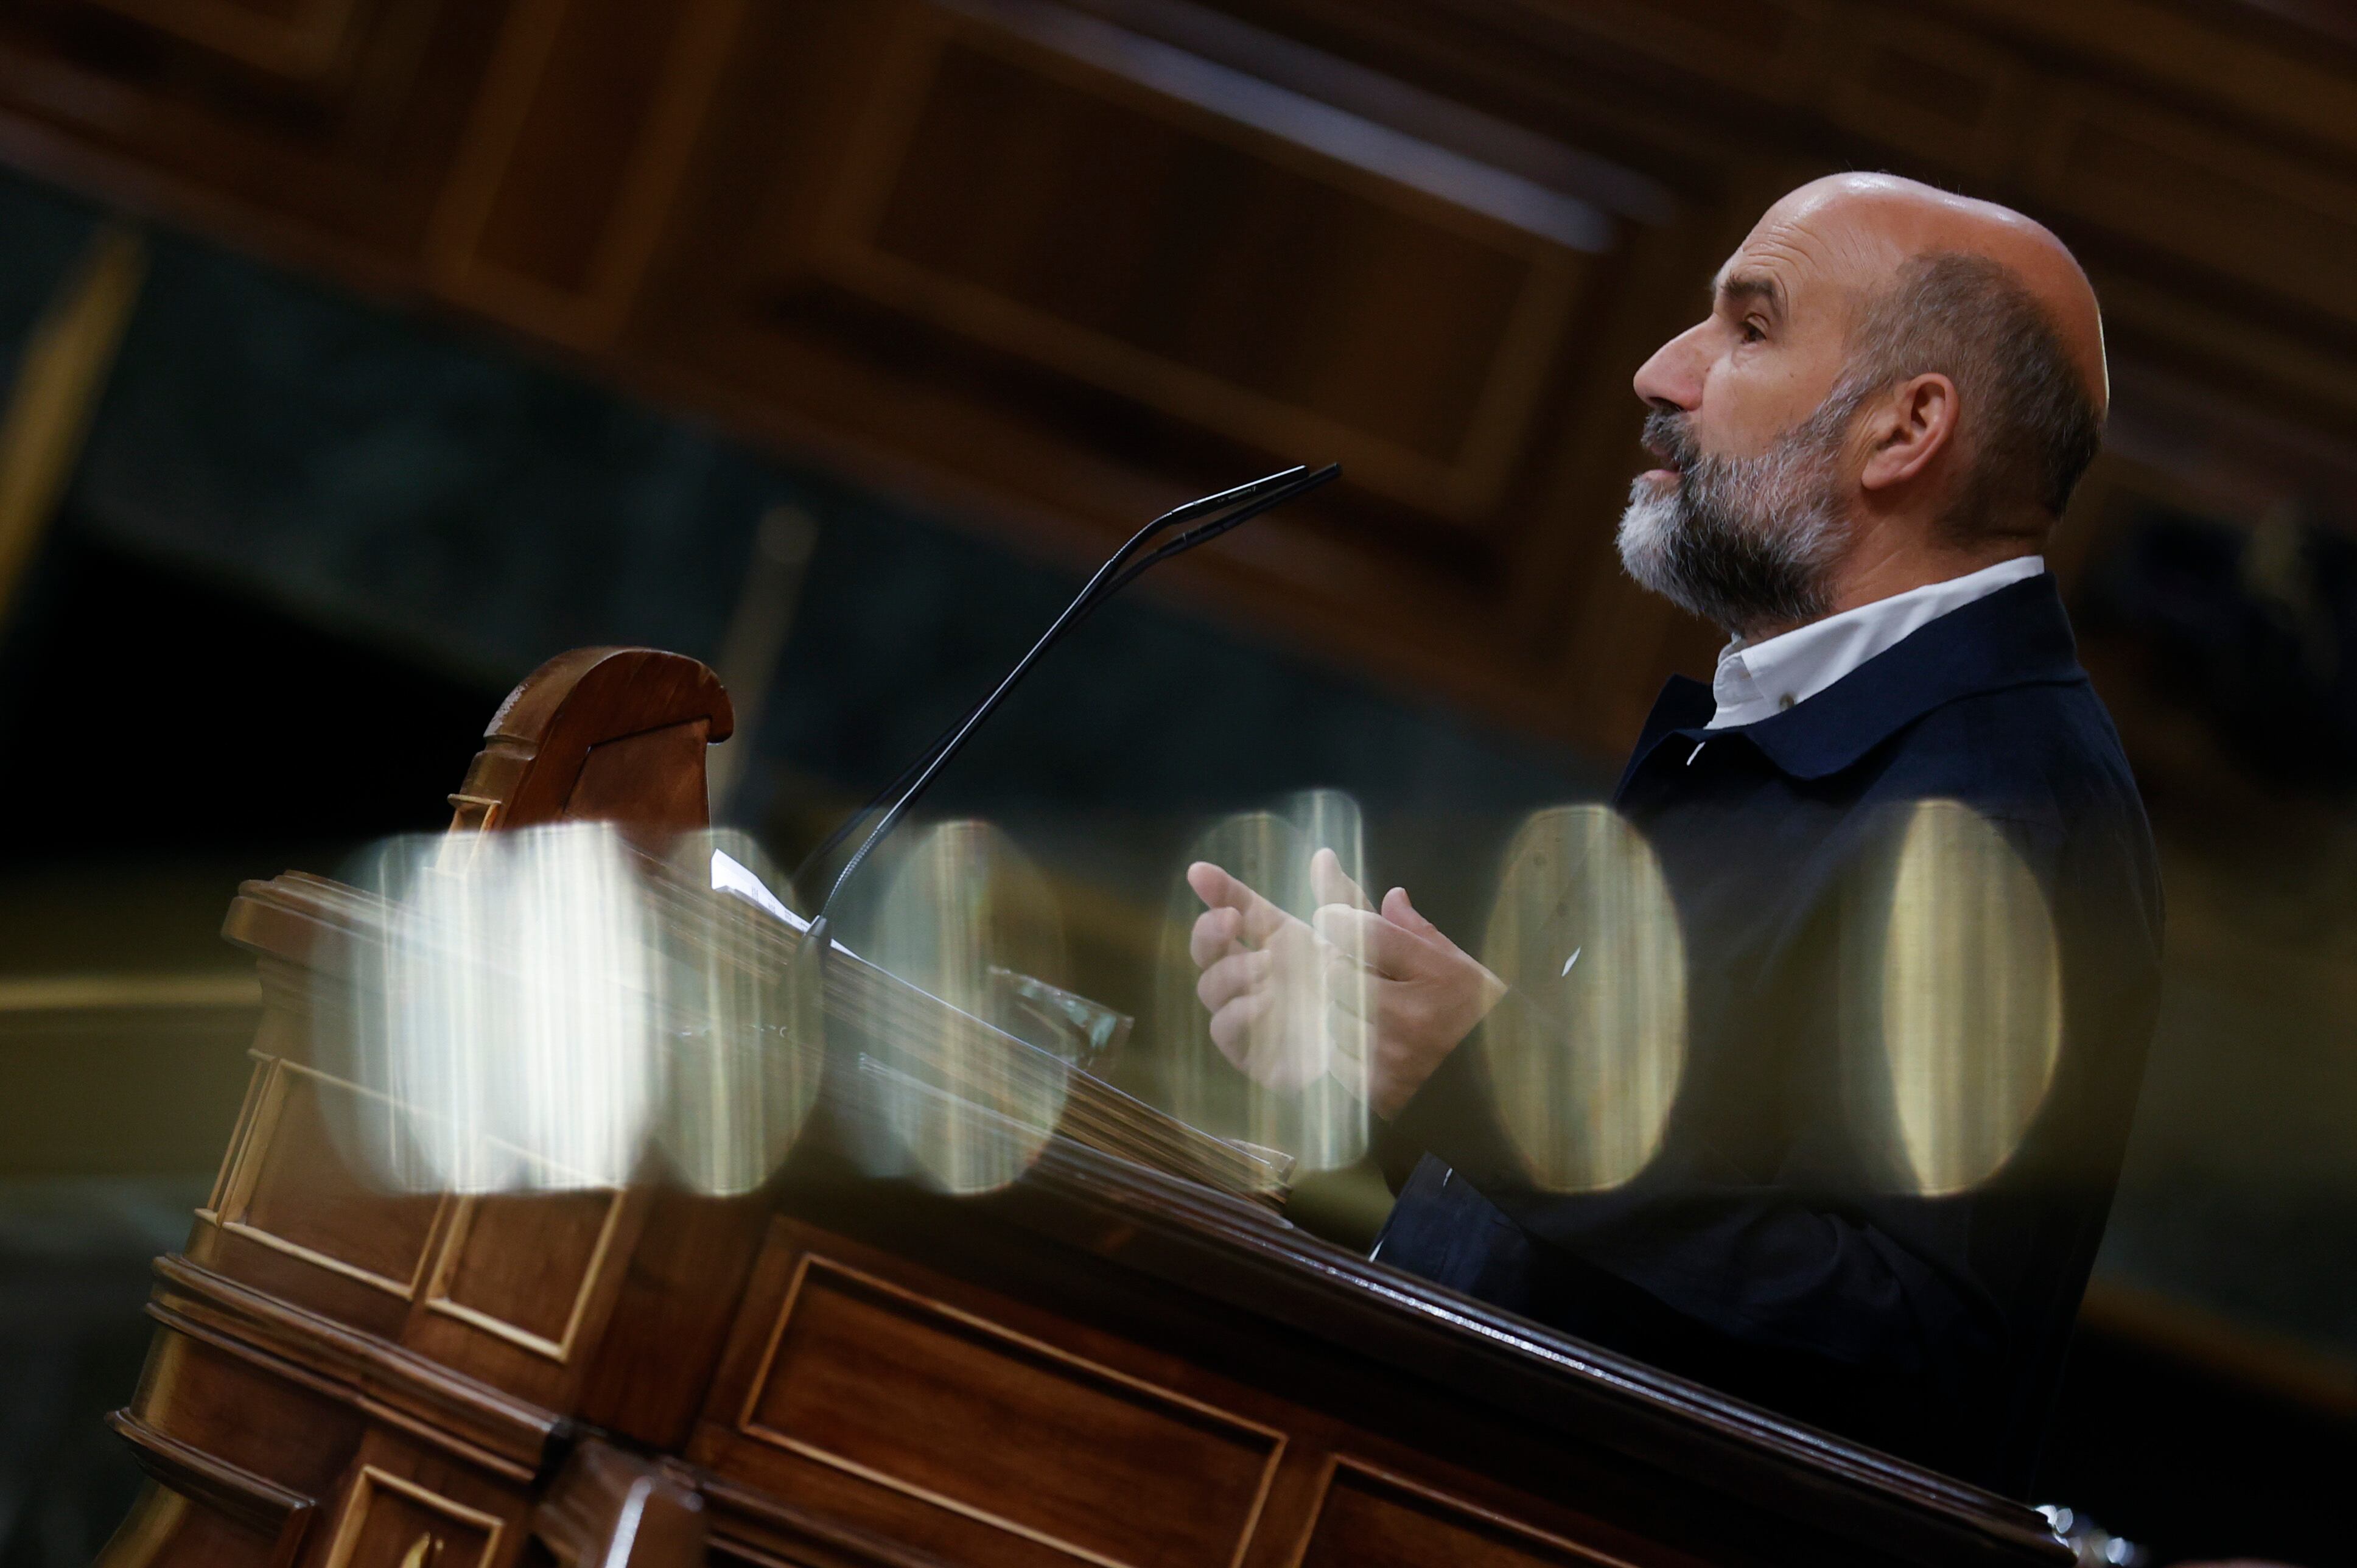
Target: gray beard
(1745,542)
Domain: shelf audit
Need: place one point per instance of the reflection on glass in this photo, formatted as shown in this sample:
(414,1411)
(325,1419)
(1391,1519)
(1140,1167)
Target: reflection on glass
(741,1062)
(1067,1026)
(1953,1000)
(534,1010)
(969,1111)
(1586,1056)
(1300,1089)
(510,1011)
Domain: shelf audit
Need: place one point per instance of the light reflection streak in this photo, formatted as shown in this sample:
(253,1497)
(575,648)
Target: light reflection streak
(538,1009)
(511,1009)
(1302,1090)
(1952,1001)
(1586,1056)
(967,1111)
(744,1061)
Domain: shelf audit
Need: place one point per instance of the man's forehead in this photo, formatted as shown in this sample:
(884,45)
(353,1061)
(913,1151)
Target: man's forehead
(1848,235)
(1739,282)
(1789,254)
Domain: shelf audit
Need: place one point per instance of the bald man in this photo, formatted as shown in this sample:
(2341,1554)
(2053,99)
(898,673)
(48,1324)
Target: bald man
(1863,448)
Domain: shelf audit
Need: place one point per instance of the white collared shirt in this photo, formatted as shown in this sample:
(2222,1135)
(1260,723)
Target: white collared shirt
(1759,680)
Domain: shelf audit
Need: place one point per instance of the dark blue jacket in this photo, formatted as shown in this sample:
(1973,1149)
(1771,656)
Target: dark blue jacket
(1762,1251)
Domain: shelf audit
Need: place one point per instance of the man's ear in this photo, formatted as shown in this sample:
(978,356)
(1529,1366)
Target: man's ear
(1906,427)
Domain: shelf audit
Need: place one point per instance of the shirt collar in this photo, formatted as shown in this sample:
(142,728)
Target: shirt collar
(1760,679)
(2016,636)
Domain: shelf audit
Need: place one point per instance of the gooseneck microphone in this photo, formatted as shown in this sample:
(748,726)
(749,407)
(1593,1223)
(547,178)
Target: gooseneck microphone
(1226,510)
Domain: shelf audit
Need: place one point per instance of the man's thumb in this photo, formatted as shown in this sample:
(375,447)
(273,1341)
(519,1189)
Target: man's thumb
(1400,912)
(1331,883)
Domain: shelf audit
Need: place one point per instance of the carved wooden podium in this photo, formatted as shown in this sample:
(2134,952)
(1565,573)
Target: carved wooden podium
(1103,1363)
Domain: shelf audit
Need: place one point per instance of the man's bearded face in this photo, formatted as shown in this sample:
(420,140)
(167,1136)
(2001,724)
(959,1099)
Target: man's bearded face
(1744,541)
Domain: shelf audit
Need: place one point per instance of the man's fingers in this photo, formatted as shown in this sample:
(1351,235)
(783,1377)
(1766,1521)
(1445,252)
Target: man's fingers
(1283,1049)
(1213,886)
(1236,1029)
(1353,1061)
(1332,885)
(1217,933)
(1351,988)
(1381,945)
(1231,977)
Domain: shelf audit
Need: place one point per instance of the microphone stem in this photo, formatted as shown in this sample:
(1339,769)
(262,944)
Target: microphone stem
(1108,579)
(1089,604)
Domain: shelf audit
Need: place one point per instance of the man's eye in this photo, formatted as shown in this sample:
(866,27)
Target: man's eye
(1753,332)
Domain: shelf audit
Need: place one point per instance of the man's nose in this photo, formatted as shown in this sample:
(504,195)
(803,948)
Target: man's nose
(1672,377)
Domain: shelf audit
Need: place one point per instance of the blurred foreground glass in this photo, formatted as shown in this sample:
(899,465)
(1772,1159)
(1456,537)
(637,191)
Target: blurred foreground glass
(535,1010)
(1067,1026)
(744,1056)
(1586,1055)
(1951,994)
(1305,1095)
(966,917)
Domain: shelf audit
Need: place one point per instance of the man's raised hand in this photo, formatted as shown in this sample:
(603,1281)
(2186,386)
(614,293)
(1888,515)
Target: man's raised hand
(1275,984)
(1423,995)
(1259,982)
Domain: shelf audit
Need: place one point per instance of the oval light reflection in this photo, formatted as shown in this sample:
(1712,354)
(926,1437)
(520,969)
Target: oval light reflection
(970,1107)
(1311,1103)
(1953,993)
(1586,1059)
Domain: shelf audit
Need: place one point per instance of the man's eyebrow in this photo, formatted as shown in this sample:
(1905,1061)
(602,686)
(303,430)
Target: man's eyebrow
(1735,288)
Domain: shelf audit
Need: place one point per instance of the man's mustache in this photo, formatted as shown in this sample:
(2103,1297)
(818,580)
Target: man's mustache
(1669,436)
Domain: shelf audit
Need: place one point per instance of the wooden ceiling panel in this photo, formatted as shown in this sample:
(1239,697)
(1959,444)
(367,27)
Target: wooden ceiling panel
(1098,272)
(1148,247)
(1935,89)
(573,153)
(339,116)
(1775,48)
(2281,225)
(298,39)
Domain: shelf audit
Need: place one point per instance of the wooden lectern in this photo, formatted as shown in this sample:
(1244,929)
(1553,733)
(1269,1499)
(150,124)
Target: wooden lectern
(1104,1363)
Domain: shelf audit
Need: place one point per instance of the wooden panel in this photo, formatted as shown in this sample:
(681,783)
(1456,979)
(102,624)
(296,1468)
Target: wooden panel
(2244,61)
(290,37)
(1370,1519)
(258,1503)
(205,1397)
(164,1529)
(675,1303)
(1080,219)
(1206,1415)
(288,1187)
(1770,46)
(883,1384)
(660,769)
(340,115)
(289,1344)
(1018,272)
(1939,93)
(525,1266)
(573,156)
(260,1094)
(2283,225)
(391,1522)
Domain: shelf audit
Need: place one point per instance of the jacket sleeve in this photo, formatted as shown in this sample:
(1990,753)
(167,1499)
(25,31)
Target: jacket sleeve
(1785,1266)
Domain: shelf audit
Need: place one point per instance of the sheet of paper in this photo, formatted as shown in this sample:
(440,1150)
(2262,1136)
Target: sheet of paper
(730,875)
